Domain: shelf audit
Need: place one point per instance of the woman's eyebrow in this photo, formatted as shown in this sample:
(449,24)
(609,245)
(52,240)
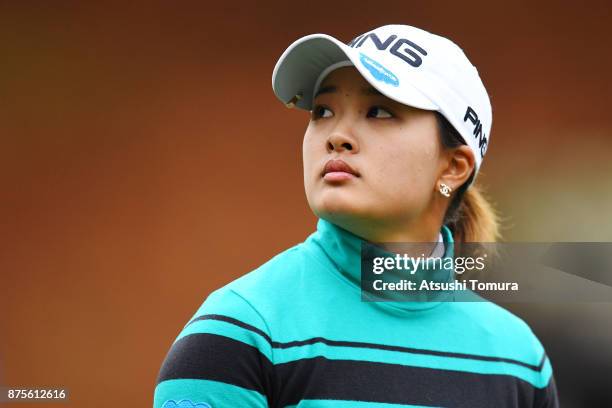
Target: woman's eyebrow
(326,89)
(368,90)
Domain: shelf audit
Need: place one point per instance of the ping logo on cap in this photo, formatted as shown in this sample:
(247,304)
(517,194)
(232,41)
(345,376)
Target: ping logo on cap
(378,71)
(410,53)
(472,116)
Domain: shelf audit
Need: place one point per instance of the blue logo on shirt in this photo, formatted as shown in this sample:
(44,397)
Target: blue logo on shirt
(185,404)
(378,71)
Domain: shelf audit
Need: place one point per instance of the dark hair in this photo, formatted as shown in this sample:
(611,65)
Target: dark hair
(469,215)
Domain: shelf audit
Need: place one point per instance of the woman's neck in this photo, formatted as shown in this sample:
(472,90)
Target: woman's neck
(376,230)
(425,235)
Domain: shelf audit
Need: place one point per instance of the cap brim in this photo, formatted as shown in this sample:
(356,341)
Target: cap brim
(300,65)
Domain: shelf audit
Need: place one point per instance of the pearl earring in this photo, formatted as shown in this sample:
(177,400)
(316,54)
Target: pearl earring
(445,190)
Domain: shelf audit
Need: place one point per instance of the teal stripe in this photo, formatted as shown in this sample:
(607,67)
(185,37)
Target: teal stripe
(314,403)
(536,379)
(224,395)
(230,330)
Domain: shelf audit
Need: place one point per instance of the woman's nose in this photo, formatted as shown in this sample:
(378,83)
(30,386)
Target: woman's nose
(340,140)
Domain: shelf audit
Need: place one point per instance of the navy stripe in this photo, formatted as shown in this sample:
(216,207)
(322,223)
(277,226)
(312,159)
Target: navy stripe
(218,358)
(340,343)
(321,378)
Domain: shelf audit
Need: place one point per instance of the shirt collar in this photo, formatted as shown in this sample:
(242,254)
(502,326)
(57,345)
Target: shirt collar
(342,249)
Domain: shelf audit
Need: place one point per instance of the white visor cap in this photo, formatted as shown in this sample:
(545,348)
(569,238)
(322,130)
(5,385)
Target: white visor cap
(407,64)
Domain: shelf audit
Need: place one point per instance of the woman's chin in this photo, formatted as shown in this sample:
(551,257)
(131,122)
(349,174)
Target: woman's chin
(337,201)
(338,207)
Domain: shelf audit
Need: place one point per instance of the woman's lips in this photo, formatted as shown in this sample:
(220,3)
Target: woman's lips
(338,170)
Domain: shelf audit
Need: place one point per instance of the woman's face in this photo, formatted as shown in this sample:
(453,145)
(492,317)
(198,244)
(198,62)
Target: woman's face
(393,150)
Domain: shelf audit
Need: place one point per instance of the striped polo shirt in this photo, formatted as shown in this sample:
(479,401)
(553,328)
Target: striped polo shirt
(295,333)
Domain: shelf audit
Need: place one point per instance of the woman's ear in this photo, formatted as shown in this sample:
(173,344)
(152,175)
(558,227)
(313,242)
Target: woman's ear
(459,167)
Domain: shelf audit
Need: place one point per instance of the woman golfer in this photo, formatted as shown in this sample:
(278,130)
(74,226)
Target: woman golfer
(399,126)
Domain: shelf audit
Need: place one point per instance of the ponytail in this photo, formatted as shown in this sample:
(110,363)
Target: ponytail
(475,219)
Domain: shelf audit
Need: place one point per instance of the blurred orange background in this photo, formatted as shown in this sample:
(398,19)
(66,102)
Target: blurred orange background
(145,162)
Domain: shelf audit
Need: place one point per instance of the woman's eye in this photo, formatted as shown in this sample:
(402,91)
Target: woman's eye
(379,112)
(322,112)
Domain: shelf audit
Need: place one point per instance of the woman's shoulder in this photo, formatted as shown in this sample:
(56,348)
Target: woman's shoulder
(260,291)
(504,334)
(274,273)
(495,317)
